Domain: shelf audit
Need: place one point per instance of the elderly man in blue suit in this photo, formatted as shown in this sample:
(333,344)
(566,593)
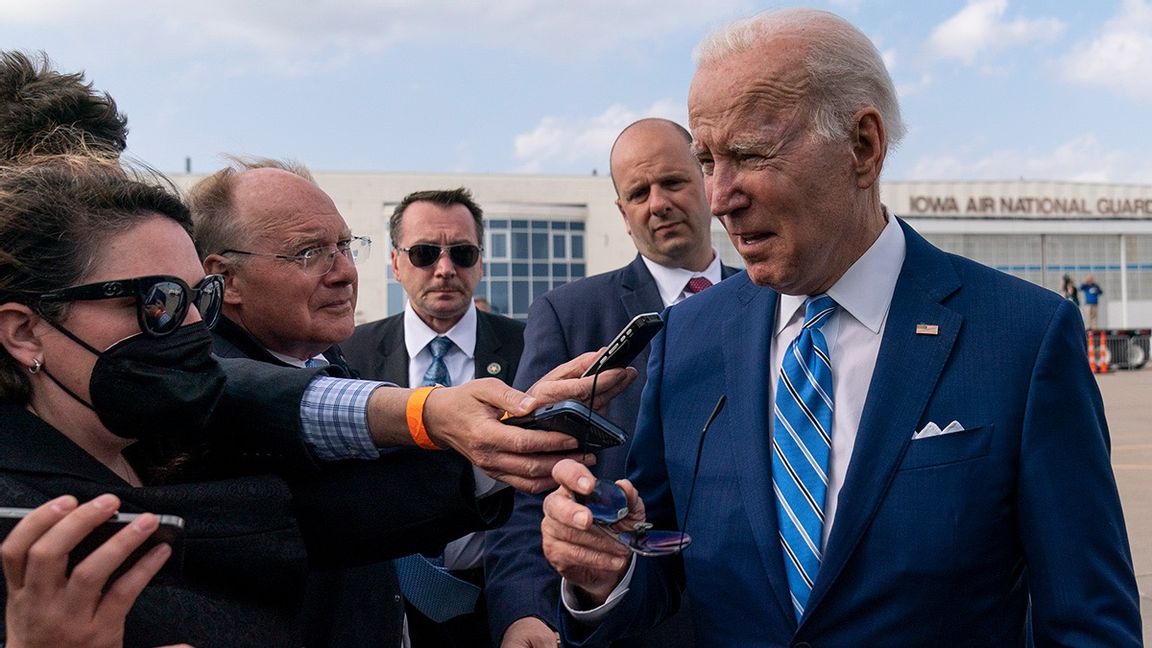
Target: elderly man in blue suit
(913,451)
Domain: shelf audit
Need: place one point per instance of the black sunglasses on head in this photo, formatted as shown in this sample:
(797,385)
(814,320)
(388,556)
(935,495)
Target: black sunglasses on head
(423,255)
(161,300)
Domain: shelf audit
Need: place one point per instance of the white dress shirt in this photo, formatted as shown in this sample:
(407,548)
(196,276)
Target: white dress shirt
(466,552)
(671,281)
(317,360)
(460,359)
(854,331)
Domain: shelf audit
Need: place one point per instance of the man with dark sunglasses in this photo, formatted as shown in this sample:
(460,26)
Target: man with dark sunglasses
(441,337)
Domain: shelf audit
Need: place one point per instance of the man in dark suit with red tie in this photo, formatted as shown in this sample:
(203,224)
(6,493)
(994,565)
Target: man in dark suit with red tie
(660,195)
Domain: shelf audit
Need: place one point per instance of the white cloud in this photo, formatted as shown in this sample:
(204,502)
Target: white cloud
(889,56)
(583,143)
(980,27)
(1081,159)
(302,29)
(1120,57)
(915,86)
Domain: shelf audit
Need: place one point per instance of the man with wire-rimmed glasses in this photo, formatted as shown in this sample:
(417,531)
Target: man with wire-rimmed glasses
(288,259)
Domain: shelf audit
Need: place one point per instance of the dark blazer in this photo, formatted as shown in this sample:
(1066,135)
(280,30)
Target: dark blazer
(245,569)
(440,506)
(940,541)
(376,350)
(574,318)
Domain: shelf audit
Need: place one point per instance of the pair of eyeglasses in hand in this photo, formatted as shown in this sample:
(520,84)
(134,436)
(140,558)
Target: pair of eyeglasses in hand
(609,505)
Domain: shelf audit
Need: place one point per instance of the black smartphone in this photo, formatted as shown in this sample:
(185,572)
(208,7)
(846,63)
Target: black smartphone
(170,531)
(628,343)
(574,419)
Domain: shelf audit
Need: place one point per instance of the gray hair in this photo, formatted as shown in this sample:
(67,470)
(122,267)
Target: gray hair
(218,226)
(845,72)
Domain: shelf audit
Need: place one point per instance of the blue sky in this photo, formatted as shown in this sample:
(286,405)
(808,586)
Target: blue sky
(991,89)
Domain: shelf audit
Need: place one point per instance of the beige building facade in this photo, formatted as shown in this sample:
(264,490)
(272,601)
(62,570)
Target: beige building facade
(543,231)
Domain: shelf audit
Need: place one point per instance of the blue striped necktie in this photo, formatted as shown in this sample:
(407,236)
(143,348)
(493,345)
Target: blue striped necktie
(430,588)
(801,443)
(437,373)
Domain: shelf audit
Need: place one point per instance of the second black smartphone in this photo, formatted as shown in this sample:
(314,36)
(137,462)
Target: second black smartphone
(171,531)
(628,343)
(576,420)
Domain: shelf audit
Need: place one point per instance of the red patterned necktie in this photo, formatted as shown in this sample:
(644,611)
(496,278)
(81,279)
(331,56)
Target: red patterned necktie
(697,284)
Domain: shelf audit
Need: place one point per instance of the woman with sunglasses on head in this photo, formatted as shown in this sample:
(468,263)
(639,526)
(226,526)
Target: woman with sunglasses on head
(106,381)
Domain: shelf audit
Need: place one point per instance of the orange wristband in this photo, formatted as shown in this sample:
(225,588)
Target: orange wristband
(415,414)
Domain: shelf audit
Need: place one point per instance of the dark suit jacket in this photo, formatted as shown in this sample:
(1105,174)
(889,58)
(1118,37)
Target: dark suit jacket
(574,318)
(439,506)
(243,580)
(940,541)
(376,350)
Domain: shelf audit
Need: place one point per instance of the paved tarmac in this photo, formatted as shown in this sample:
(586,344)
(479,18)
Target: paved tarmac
(1128,404)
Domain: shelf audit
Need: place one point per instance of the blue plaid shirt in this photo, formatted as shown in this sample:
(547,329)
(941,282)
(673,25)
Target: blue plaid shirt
(334,418)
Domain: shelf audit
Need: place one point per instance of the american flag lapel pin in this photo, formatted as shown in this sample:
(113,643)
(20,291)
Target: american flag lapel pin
(927,329)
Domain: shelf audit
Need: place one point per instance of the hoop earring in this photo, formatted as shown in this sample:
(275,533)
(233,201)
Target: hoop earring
(36,364)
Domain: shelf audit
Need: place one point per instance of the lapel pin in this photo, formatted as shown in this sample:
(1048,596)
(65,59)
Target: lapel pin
(927,329)
(494,368)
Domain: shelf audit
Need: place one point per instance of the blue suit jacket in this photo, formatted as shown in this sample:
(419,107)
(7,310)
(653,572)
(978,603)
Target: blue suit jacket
(572,319)
(936,542)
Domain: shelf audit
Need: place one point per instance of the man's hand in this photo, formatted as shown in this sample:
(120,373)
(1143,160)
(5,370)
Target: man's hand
(49,607)
(564,382)
(530,632)
(587,556)
(467,419)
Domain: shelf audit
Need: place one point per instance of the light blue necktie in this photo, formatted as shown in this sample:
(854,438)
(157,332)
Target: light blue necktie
(430,588)
(438,594)
(801,443)
(437,373)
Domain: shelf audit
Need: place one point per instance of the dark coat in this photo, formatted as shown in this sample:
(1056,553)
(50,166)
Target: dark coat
(377,351)
(245,567)
(366,607)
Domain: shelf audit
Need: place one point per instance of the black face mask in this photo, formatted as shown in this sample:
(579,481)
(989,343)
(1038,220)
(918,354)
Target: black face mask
(146,386)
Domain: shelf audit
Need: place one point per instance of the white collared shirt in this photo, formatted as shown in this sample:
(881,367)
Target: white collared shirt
(466,552)
(854,332)
(460,359)
(319,360)
(671,281)
(864,294)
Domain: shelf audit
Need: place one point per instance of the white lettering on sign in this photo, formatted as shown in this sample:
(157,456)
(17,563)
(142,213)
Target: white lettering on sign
(1029,206)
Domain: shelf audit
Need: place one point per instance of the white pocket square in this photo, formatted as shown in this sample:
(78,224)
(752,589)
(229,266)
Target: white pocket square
(932,430)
